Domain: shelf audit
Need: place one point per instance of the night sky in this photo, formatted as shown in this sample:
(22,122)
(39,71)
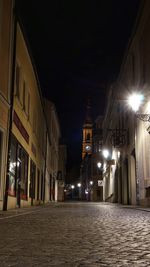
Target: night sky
(77,47)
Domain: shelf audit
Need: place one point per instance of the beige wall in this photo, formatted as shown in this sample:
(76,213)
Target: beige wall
(28,107)
(6,48)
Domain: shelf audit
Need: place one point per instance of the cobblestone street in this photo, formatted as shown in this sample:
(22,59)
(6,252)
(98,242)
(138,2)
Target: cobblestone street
(75,234)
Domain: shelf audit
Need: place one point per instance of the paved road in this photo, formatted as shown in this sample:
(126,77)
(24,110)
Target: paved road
(75,235)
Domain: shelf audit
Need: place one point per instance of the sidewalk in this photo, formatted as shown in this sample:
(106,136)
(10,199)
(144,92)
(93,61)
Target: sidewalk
(23,210)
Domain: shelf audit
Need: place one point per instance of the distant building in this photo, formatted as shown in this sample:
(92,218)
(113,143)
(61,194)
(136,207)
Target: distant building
(53,160)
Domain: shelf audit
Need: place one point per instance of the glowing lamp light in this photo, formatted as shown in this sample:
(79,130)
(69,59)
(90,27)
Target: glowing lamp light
(79,184)
(91,182)
(86,192)
(135,100)
(99,164)
(105,153)
(72,186)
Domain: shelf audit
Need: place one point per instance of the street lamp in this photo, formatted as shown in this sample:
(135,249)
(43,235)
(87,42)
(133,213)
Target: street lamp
(135,101)
(79,185)
(99,164)
(105,153)
(91,182)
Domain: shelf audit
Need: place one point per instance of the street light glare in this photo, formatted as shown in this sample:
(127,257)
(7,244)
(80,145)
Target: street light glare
(99,164)
(105,153)
(135,101)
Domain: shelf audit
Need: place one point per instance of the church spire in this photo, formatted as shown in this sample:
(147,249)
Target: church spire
(88,116)
(87,131)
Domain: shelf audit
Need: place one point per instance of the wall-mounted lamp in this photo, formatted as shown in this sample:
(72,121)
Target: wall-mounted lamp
(135,101)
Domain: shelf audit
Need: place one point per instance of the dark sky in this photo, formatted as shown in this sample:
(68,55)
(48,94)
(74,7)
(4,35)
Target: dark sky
(77,47)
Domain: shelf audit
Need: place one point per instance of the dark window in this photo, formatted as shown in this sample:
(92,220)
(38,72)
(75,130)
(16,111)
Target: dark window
(88,137)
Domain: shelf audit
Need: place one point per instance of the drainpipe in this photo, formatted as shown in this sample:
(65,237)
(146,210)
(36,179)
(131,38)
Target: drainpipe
(5,199)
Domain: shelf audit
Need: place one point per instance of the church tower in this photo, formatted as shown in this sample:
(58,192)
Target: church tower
(87,131)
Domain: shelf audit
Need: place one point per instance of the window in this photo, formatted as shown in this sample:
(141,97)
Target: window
(28,111)
(12,167)
(24,95)
(18,170)
(17,81)
(26,99)
(24,174)
(88,137)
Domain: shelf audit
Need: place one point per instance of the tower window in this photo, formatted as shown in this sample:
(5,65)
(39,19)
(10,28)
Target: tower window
(88,137)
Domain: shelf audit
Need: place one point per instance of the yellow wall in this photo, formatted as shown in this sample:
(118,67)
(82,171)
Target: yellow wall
(33,122)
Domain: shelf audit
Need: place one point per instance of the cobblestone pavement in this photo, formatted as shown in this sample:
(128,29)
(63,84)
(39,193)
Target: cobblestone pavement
(75,235)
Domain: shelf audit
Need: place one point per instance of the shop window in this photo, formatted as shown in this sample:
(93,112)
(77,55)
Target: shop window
(32,180)
(24,174)
(12,167)
(18,170)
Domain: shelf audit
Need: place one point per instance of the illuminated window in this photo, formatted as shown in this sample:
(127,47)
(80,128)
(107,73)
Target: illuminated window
(18,171)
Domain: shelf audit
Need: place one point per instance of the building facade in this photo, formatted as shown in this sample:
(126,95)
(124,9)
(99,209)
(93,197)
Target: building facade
(26,185)
(52,164)
(128,179)
(6,66)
